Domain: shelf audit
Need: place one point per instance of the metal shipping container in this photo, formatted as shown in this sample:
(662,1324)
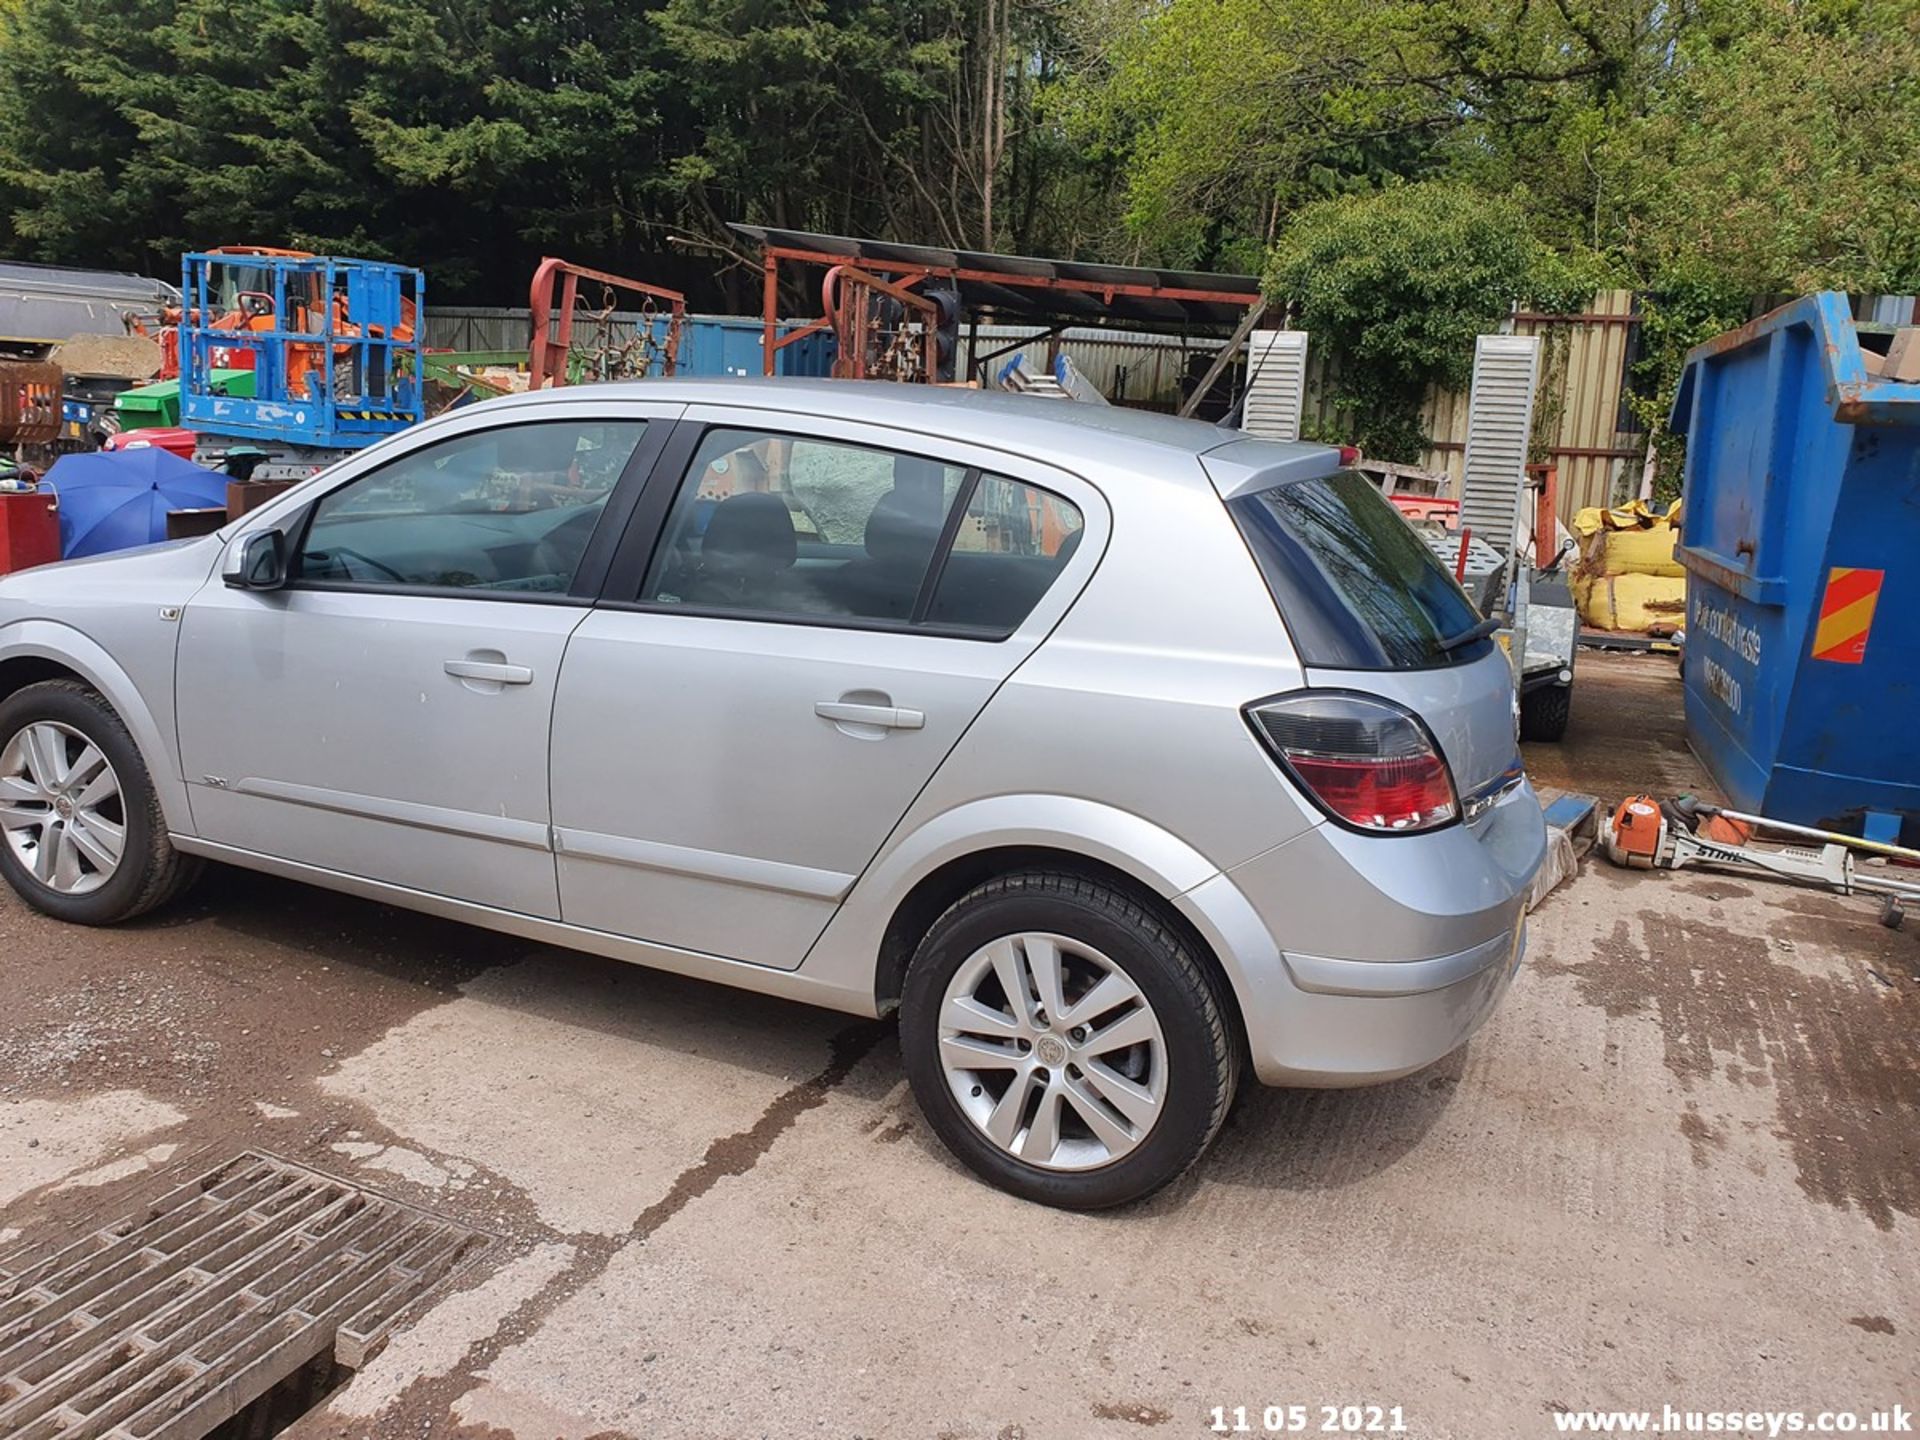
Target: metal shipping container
(710,345)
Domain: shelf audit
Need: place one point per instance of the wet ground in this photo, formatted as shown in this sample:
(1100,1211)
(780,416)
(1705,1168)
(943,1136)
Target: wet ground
(1682,1165)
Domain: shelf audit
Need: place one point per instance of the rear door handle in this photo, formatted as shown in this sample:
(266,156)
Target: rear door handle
(887,717)
(488,670)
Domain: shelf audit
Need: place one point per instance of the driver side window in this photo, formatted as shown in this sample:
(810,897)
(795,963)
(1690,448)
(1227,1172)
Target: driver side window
(505,510)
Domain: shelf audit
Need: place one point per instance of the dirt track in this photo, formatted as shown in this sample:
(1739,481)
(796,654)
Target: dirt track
(1680,1166)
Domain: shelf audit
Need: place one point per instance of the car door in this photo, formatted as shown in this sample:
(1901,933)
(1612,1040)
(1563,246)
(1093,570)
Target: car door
(783,658)
(386,714)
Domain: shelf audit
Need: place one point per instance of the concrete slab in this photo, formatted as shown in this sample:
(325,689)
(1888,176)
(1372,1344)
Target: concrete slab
(1615,1196)
(44,1141)
(588,1088)
(442,1338)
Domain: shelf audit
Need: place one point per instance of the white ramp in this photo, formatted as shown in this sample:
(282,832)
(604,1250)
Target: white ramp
(1277,383)
(1506,373)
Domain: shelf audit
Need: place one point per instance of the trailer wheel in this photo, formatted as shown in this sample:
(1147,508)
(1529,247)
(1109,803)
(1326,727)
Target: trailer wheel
(1544,712)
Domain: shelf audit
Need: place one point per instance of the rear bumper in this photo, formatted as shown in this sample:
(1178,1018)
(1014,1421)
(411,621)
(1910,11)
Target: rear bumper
(1383,1023)
(1379,980)
(1361,959)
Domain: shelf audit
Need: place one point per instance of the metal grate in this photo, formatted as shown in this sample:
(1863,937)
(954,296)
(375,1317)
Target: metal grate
(171,1320)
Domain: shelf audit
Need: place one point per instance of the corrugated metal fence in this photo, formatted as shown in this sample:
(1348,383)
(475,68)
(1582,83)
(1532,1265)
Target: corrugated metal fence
(1127,367)
(1581,421)
(478,327)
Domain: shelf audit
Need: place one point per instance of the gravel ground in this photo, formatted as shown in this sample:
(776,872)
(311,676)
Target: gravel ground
(1680,1166)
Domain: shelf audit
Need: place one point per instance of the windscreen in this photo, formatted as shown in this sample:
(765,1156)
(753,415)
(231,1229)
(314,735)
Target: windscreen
(1358,589)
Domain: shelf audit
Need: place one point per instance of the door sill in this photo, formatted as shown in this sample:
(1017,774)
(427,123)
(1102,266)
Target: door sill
(742,975)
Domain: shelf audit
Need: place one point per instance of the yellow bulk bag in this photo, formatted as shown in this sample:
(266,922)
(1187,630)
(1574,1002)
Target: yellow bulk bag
(1627,578)
(1632,540)
(1641,604)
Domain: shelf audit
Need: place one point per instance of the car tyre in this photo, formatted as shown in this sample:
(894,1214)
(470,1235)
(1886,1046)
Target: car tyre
(1544,712)
(149,871)
(1101,936)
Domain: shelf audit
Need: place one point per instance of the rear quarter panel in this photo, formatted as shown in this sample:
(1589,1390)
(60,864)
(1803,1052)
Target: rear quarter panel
(1121,738)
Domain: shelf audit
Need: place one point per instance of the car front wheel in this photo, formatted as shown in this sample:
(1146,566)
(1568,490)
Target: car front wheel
(1065,1042)
(81,834)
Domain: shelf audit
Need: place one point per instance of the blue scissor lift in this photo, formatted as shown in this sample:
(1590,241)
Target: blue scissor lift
(333,344)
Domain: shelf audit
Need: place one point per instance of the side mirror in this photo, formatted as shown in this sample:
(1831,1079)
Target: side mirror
(260,563)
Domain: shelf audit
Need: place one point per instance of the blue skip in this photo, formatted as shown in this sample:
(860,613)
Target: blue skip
(1801,540)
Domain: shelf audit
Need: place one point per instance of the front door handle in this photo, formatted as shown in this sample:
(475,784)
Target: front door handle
(489,670)
(887,717)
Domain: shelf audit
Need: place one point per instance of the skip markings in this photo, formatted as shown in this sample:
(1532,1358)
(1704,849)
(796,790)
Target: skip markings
(1846,615)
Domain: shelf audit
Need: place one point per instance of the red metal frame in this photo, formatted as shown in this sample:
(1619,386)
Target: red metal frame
(30,410)
(1545,480)
(547,355)
(846,300)
(772,341)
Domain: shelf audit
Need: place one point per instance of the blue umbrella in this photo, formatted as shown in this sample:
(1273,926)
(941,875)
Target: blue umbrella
(112,500)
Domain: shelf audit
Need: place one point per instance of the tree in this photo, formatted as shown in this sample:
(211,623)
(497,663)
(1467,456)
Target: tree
(919,119)
(1397,284)
(65,143)
(1233,113)
(469,136)
(1779,155)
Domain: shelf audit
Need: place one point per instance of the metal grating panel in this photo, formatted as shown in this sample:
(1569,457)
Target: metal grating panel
(1506,371)
(171,1320)
(1482,558)
(1277,389)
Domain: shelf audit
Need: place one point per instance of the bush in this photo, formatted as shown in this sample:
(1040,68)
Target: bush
(1395,285)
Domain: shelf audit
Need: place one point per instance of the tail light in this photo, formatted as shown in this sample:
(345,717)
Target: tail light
(1369,764)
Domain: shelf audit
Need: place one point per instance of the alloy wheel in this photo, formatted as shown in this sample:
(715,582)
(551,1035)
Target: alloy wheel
(61,810)
(1052,1050)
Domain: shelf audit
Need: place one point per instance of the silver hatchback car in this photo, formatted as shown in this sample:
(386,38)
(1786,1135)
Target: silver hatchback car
(1120,754)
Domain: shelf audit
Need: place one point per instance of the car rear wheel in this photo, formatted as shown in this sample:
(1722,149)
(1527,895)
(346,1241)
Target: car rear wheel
(1064,1042)
(81,833)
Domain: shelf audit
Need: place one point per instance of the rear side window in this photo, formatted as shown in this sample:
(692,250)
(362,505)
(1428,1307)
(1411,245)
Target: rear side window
(1012,540)
(1358,589)
(795,528)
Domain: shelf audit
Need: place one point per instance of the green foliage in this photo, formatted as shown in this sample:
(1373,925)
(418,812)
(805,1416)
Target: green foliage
(1398,283)
(471,136)
(1779,158)
(1711,155)
(1234,113)
(1782,159)
(1402,171)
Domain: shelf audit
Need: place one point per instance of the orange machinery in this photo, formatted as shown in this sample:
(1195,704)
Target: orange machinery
(252,312)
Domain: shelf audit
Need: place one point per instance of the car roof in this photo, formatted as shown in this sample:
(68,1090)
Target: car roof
(1062,432)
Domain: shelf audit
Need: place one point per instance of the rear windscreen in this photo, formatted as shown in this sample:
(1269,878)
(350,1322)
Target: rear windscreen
(1358,589)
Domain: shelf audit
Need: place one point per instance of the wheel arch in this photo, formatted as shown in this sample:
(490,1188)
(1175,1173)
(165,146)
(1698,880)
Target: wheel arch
(19,671)
(939,861)
(35,650)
